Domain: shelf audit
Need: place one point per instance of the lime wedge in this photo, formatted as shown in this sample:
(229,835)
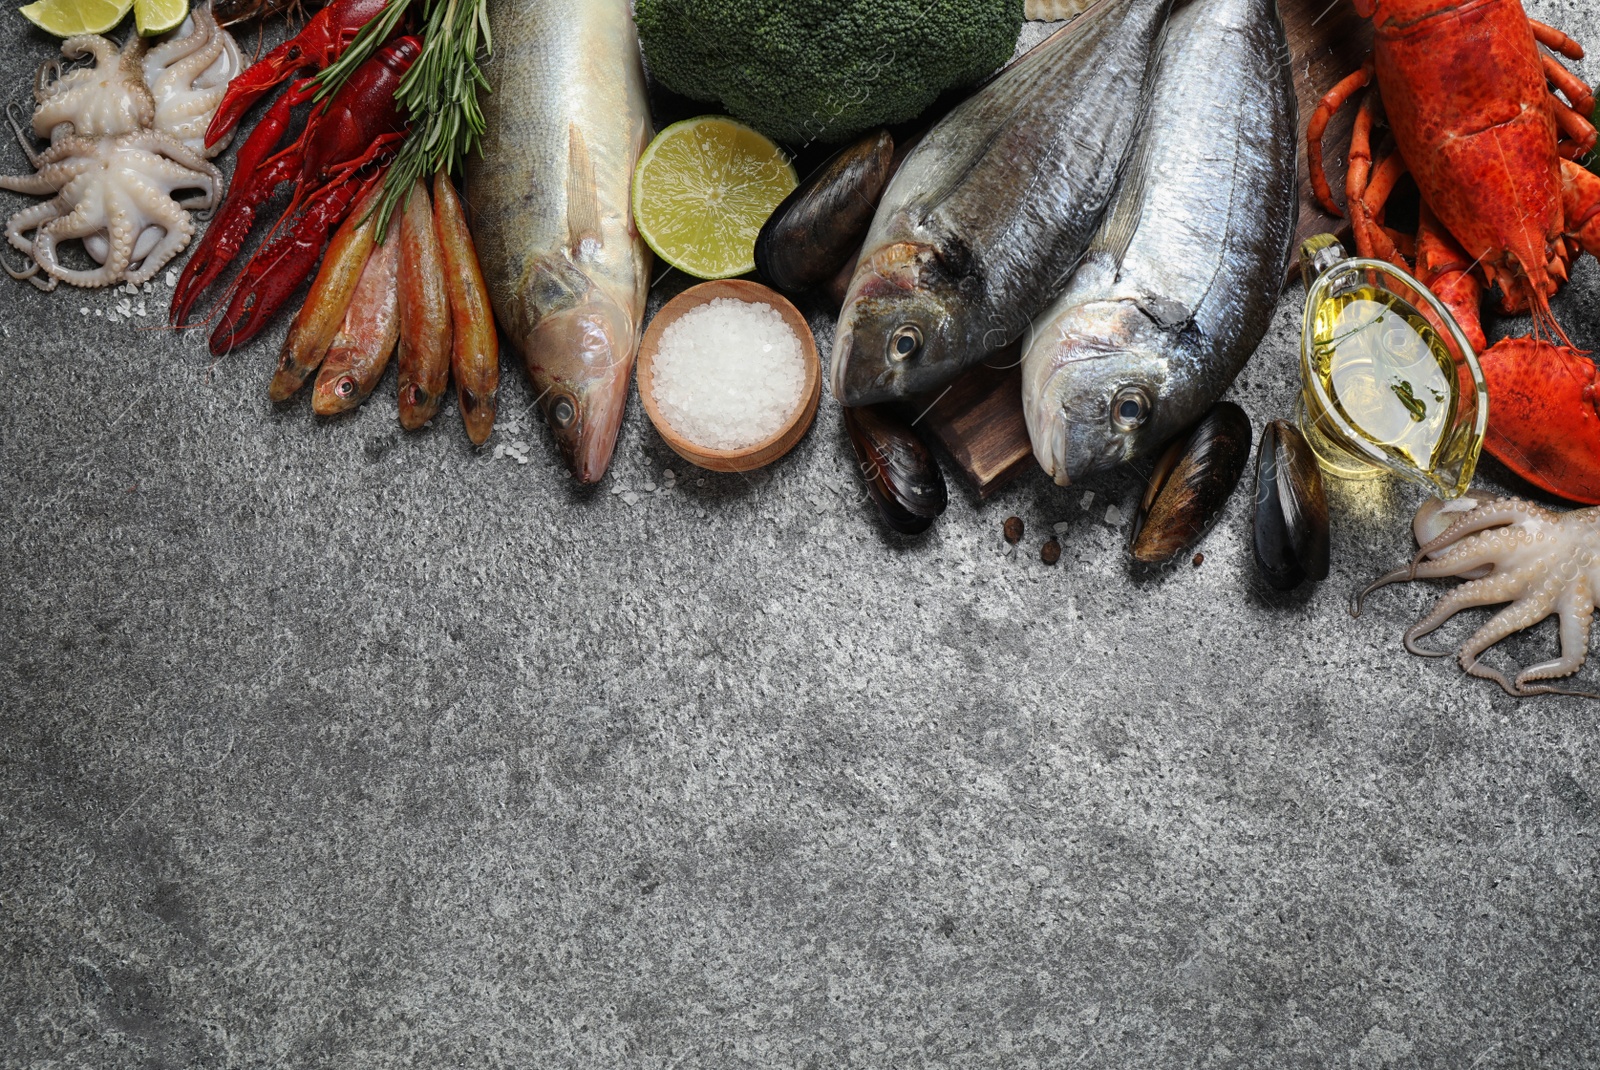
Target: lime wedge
(702,190)
(159,16)
(69,18)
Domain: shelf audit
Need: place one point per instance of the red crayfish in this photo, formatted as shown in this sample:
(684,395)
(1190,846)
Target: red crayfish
(342,153)
(319,43)
(1469,89)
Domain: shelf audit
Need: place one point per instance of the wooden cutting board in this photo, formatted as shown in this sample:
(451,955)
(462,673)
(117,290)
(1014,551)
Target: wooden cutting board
(978,419)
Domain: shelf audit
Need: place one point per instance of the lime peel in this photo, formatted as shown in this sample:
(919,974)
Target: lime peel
(70,18)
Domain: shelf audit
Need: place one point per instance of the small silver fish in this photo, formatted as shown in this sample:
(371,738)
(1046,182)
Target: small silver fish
(550,194)
(1179,284)
(987,215)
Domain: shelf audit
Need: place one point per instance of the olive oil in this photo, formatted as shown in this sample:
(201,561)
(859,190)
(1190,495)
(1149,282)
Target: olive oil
(1387,372)
(1390,382)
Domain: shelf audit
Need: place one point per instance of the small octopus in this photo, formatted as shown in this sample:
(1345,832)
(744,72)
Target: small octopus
(126,139)
(1541,561)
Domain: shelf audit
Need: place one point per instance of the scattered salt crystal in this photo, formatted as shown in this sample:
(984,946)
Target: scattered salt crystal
(522,458)
(649,486)
(1113,515)
(616,489)
(1088,499)
(729,374)
(172,279)
(1061,528)
(111,317)
(519,445)
(149,287)
(669,475)
(499,452)
(83,311)
(630,497)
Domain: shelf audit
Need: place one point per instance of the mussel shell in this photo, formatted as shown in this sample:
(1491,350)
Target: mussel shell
(1192,482)
(808,237)
(1291,509)
(899,470)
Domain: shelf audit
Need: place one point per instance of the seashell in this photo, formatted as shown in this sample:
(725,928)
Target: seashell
(898,468)
(1291,509)
(808,237)
(1191,483)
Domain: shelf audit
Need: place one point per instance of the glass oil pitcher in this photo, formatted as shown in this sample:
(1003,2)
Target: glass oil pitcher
(1390,384)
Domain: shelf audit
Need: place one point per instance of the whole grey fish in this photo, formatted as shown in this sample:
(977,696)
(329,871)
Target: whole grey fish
(567,273)
(1179,284)
(988,214)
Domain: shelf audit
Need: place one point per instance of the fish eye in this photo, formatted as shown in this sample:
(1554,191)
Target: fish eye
(345,387)
(563,412)
(905,342)
(1130,408)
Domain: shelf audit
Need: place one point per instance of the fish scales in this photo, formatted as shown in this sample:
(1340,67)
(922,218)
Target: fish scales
(567,118)
(989,213)
(1179,284)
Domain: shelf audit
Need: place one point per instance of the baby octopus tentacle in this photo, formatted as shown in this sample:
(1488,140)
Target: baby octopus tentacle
(86,219)
(1490,515)
(29,218)
(23,139)
(1521,614)
(1575,623)
(1459,560)
(176,70)
(1484,592)
(160,209)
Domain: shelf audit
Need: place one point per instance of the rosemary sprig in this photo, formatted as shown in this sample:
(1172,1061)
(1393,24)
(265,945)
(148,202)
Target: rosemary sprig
(439,92)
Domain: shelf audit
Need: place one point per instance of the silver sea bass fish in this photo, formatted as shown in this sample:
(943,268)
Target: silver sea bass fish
(567,272)
(987,215)
(1179,284)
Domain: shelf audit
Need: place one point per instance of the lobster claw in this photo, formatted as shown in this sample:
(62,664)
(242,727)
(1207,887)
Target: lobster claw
(1543,422)
(321,42)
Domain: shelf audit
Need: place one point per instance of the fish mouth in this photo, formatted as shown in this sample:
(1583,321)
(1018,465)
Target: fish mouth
(856,381)
(580,362)
(1058,451)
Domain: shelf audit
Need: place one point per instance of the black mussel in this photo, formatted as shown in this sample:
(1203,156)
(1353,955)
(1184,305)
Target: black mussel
(1291,509)
(808,237)
(898,468)
(1193,480)
(838,288)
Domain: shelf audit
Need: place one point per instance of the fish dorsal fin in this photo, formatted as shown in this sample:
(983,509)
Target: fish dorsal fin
(583,197)
(1122,222)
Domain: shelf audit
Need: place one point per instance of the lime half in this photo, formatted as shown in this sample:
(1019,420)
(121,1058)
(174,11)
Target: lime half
(702,190)
(69,18)
(159,16)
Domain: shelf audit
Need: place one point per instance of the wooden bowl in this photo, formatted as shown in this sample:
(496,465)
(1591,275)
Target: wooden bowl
(762,453)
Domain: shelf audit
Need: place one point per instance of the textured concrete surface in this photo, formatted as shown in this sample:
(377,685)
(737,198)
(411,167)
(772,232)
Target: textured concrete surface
(325,745)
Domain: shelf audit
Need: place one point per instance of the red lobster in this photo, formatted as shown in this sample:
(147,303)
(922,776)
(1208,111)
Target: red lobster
(318,44)
(345,146)
(1470,98)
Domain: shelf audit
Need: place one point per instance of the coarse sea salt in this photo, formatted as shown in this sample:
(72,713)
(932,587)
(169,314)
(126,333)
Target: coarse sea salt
(729,374)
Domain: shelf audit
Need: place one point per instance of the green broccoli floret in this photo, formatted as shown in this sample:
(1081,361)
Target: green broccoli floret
(805,70)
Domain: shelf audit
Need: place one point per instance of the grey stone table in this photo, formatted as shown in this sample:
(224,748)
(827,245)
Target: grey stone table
(327,745)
